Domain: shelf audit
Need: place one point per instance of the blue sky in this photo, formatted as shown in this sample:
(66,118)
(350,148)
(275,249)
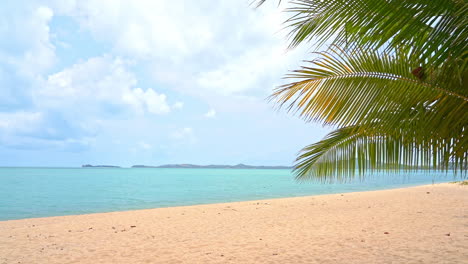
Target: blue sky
(145,82)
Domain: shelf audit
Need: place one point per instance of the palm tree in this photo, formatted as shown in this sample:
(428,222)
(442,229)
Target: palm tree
(393,83)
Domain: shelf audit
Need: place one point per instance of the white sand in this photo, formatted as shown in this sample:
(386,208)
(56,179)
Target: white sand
(426,224)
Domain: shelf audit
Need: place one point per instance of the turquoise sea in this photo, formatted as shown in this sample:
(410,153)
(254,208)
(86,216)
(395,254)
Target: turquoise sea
(41,192)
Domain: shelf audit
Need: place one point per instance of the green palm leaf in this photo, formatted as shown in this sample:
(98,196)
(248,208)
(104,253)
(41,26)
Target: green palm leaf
(397,91)
(389,118)
(333,87)
(436,30)
(347,152)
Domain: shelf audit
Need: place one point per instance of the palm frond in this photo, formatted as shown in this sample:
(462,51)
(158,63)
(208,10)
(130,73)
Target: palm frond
(435,30)
(347,152)
(389,117)
(397,91)
(334,87)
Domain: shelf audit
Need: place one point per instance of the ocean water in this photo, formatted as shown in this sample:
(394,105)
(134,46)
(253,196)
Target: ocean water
(41,192)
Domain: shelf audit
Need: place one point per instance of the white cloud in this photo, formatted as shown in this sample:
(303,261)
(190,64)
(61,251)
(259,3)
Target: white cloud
(245,72)
(97,84)
(41,56)
(210,114)
(181,38)
(26,43)
(147,100)
(98,78)
(144,28)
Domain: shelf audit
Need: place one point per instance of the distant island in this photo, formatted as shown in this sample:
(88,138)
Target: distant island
(98,166)
(193,166)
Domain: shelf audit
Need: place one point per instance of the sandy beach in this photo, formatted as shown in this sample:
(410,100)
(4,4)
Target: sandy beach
(425,224)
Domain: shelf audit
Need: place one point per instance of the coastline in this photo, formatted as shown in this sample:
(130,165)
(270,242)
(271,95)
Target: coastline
(231,202)
(415,224)
(59,192)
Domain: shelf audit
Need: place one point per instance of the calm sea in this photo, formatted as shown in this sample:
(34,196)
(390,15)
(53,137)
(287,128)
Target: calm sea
(40,192)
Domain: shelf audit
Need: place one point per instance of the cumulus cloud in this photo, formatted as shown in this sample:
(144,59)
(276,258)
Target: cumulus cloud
(124,62)
(26,51)
(96,79)
(29,50)
(69,105)
(180,38)
(244,73)
(148,100)
(144,28)
(99,83)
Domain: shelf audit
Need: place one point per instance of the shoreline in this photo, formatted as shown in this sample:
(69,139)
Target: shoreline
(426,223)
(228,202)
